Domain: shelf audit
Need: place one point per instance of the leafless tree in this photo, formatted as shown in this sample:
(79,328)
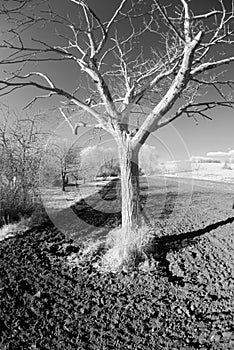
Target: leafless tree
(65,160)
(21,145)
(128,83)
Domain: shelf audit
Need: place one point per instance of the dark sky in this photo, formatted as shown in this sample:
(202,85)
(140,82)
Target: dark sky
(195,139)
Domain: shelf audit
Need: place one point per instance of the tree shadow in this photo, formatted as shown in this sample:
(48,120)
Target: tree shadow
(103,208)
(95,215)
(176,242)
(90,213)
(98,217)
(163,245)
(87,209)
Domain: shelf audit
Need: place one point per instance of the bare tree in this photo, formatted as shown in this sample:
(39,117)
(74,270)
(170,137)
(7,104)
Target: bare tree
(125,79)
(66,161)
(21,145)
(97,160)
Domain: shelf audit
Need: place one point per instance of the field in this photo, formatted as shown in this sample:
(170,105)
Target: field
(205,171)
(53,297)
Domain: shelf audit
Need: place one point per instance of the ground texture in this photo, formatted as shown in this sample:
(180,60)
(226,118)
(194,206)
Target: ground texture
(182,298)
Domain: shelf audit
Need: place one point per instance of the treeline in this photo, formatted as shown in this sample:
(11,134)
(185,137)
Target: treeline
(21,146)
(31,159)
(26,164)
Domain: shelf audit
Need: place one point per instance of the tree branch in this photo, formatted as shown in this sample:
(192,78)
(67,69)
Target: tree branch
(208,14)
(210,65)
(196,108)
(55,90)
(169,21)
(108,26)
(179,84)
(80,124)
(187,19)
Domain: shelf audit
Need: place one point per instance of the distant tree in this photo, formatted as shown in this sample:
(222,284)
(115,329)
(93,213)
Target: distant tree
(132,90)
(97,160)
(204,160)
(61,162)
(109,168)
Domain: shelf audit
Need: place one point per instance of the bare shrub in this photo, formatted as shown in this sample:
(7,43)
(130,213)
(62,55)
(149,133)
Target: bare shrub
(14,205)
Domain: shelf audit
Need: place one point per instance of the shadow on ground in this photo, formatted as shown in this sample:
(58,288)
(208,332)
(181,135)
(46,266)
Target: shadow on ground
(163,245)
(92,211)
(103,210)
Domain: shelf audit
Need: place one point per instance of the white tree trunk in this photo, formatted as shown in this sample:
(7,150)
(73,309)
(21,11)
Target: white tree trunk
(128,158)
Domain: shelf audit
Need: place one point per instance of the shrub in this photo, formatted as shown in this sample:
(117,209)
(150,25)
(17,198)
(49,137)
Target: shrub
(16,204)
(13,205)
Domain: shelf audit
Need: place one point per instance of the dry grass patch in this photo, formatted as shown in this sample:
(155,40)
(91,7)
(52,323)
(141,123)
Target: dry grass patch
(11,230)
(126,248)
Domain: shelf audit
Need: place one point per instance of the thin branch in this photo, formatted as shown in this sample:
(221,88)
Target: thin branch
(215,83)
(80,124)
(210,65)
(167,18)
(208,14)
(36,98)
(221,34)
(154,82)
(196,108)
(55,90)
(108,27)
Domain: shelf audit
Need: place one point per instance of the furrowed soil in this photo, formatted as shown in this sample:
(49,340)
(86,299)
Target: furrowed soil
(182,298)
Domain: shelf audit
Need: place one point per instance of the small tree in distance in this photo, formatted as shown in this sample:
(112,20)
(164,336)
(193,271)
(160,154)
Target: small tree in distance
(61,163)
(131,89)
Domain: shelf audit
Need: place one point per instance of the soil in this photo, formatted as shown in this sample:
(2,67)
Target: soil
(181,298)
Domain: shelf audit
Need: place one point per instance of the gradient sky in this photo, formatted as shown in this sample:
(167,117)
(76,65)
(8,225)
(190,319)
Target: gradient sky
(178,141)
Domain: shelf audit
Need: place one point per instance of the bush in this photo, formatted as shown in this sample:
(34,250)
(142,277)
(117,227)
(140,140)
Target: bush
(15,205)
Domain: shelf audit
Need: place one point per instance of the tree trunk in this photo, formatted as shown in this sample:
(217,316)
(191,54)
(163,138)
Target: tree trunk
(64,181)
(129,242)
(128,158)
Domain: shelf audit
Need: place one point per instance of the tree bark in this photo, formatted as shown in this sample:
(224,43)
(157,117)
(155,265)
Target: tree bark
(130,190)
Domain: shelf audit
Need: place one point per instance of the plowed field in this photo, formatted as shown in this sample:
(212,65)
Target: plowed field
(182,299)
